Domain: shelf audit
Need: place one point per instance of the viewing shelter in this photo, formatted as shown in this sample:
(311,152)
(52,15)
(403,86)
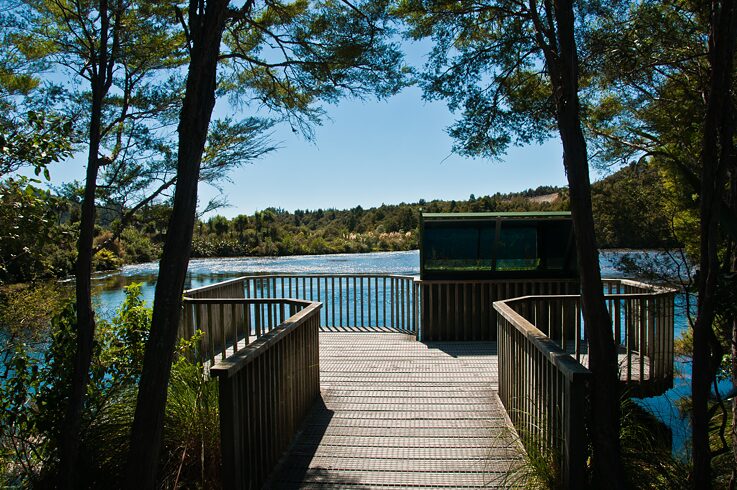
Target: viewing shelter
(497,246)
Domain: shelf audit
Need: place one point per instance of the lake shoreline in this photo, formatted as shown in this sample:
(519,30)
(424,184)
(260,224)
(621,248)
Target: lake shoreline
(334,254)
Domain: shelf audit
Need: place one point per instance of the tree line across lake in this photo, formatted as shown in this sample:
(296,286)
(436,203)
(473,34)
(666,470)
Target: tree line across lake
(39,228)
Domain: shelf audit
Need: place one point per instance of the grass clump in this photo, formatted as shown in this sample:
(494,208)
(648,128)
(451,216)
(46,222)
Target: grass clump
(646,451)
(191,425)
(646,456)
(33,398)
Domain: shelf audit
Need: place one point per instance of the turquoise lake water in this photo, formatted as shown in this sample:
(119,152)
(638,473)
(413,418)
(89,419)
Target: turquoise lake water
(108,294)
(108,287)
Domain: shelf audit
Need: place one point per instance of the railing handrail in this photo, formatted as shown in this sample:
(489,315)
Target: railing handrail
(234,280)
(249,301)
(416,278)
(488,281)
(606,296)
(568,366)
(235,362)
(641,285)
(350,300)
(216,285)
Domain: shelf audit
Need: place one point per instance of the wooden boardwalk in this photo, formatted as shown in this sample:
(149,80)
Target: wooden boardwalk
(397,413)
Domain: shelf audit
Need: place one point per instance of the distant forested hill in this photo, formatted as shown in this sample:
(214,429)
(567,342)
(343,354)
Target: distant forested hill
(627,208)
(386,227)
(631,209)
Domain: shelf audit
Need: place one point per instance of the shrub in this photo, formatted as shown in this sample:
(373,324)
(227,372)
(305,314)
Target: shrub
(105,260)
(34,393)
(138,247)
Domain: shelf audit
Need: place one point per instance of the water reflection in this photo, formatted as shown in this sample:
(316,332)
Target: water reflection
(108,287)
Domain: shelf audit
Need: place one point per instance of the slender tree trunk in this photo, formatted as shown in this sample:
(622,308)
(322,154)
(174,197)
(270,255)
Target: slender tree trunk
(206,25)
(717,151)
(733,337)
(70,431)
(85,315)
(606,462)
(733,341)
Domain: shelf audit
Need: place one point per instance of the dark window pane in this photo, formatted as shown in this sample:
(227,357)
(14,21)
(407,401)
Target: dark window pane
(456,248)
(517,248)
(556,238)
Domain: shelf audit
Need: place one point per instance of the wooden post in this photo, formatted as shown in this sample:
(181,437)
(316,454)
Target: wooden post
(574,438)
(230,440)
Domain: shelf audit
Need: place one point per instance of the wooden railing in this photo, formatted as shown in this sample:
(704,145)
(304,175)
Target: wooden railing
(230,324)
(543,390)
(461,310)
(543,381)
(642,318)
(431,310)
(266,390)
(354,301)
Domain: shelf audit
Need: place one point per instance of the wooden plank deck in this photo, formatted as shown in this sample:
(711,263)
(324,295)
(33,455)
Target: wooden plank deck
(397,413)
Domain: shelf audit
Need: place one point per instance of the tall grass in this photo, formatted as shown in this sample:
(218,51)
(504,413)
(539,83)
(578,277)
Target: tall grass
(648,461)
(191,429)
(538,466)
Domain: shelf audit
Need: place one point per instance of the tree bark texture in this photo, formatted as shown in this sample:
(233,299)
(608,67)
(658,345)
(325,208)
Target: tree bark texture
(605,403)
(717,151)
(69,447)
(206,25)
(733,336)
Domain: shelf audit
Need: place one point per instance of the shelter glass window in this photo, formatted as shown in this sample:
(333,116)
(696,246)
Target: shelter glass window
(459,247)
(516,249)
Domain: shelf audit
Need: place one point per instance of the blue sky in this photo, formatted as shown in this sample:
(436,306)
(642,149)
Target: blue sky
(374,152)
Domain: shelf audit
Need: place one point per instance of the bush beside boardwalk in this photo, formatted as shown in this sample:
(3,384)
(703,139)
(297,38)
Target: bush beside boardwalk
(36,376)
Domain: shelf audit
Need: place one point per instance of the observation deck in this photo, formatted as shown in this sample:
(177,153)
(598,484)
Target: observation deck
(380,380)
(360,383)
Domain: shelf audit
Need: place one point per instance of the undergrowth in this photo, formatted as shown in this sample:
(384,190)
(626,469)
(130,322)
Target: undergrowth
(33,399)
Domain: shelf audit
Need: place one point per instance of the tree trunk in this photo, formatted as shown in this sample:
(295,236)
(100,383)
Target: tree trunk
(717,151)
(206,29)
(733,337)
(606,461)
(70,435)
(70,431)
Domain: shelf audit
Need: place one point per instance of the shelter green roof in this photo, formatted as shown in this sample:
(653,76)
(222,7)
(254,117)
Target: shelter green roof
(509,215)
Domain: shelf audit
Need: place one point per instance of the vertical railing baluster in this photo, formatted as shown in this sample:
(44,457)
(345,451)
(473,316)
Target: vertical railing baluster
(332,300)
(392,304)
(223,349)
(376,303)
(384,302)
(361,295)
(355,304)
(368,300)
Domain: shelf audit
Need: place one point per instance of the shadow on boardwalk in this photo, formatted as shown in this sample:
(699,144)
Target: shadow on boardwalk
(464,349)
(296,469)
(397,413)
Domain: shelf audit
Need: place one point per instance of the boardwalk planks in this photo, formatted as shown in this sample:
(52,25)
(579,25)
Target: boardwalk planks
(396,412)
